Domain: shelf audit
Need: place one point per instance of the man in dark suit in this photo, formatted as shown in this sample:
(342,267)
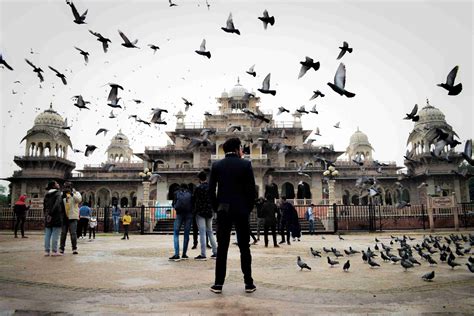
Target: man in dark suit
(233,203)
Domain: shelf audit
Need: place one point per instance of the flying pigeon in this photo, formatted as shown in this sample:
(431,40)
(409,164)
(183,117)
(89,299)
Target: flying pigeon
(156,118)
(337,125)
(449,85)
(301,264)
(102,130)
(80,103)
(266,19)
(172,4)
(230,26)
(281,110)
(112,115)
(306,65)
(78,19)
(302,110)
(313,110)
(340,82)
(114,92)
(316,94)
(89,150)
(187,104)
(102,39)
(154,47)
(126,41)
(467,154)
(4,63)
(251,71)
(317,132)
(38,70)
(154,178)
(59,75)
(266,86)
(65,125)
(202,50)
(114,103)
(83,53)
(345,48)
(412,115)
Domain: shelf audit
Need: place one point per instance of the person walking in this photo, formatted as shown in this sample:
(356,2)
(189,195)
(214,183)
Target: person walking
(235,183)
(203,214)
(286,217)
(116,215)
(183,205)
(270,213)
(126,221)
(71,200)
(310,218)
(85,213)
(52,210)
(20,208)
(92,226)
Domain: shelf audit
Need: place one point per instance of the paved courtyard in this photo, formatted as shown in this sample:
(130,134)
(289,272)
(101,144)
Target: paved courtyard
(113,276)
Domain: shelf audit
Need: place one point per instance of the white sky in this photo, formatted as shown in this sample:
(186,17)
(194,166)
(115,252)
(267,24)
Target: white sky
(401,51)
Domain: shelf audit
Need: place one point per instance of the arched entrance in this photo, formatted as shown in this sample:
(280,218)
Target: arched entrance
(124,202)
(346,198)
(103,197)
(304,191)
(288,190)
(355,199)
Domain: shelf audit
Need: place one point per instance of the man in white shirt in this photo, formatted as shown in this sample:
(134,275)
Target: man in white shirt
(310,218)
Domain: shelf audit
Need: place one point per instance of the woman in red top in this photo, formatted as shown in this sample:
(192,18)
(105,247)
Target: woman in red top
(20,210)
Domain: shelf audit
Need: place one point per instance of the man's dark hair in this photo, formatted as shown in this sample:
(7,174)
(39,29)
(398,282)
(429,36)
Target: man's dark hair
(184,186)
(126,212)
(231,145)
(283,198)
(202,176)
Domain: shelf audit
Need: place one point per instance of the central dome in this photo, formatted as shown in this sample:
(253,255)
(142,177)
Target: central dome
(237,91)
(359,138)
(49,118)
(430,115)
(120,139)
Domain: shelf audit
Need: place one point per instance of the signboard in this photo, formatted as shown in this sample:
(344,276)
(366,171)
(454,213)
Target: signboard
(441,202)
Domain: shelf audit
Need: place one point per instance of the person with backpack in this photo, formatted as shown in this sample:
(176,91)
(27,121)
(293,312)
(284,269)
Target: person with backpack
(309,216)
(183,205)
(116,215)
(203,213)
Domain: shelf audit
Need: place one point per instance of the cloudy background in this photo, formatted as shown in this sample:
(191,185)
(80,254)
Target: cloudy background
(401,51)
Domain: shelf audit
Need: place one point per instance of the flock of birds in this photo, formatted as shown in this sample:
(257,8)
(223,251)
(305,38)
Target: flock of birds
(439,136)
(402,250)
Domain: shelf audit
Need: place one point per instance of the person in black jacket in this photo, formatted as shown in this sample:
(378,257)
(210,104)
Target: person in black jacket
(270,213)
(234,179)
(20,210)
(52,209)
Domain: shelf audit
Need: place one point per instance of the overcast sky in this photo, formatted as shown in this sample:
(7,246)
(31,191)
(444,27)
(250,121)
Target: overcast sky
(401,51)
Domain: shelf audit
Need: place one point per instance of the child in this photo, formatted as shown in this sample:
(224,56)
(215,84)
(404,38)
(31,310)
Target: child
(92,226)
(126,220)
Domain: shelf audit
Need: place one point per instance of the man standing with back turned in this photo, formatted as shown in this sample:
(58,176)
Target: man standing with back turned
(233,203)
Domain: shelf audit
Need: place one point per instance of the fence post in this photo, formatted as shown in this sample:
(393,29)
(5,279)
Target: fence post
(142,220)
(423,215)
(456,218)
(106,219)
(463,206)
(431,219)
(380,219)
(334,207)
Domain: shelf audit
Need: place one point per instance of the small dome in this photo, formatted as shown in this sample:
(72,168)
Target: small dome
(49,118)
(224,94)
(120,139)
(430,115)
(238,91)
(359,138)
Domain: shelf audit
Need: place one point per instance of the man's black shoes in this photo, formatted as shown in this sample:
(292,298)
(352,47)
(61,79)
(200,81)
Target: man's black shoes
(174,258)
(250,288)
(216,289)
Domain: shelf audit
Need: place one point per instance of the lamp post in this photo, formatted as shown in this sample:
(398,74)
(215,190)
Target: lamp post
(145,175)
(331,173)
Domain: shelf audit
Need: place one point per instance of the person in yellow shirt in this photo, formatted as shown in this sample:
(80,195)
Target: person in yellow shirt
(126,220)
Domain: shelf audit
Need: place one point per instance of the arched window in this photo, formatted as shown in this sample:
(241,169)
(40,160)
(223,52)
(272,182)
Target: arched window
(159,164)
(288,190)
(124,202)
(346,198)
(355,199)
(304,191)
(388,198)
(406,195)
(186,165)
(293,163)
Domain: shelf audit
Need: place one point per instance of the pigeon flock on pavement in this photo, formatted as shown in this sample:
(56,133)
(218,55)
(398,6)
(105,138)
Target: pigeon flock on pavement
(434,251)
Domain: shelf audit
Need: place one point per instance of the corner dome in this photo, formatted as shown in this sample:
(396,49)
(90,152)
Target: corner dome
(49,118)
(238,91)
(431,116)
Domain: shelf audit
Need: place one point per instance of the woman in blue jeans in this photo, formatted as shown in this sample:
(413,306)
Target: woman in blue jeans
(116,213)
(203,212)
(52,211)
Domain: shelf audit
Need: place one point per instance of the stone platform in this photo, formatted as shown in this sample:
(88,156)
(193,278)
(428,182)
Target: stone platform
(113,276)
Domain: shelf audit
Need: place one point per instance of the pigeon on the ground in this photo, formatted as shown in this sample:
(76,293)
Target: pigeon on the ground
(38,70)
(202,50)
(428,276)
(230,28)
(340,82)
(266,86)
(470,267)
(372,263)
(102,39)
(78,19)
(315,253)
(345,48)
(346,266)
(453,264)
(332,262)
(83,53)
(59,75)
(306,65)
(449,85)
(406,264)
(301,264)
(266,19)
(4,63)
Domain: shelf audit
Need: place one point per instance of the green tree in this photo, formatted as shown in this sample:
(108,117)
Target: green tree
(4,196)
